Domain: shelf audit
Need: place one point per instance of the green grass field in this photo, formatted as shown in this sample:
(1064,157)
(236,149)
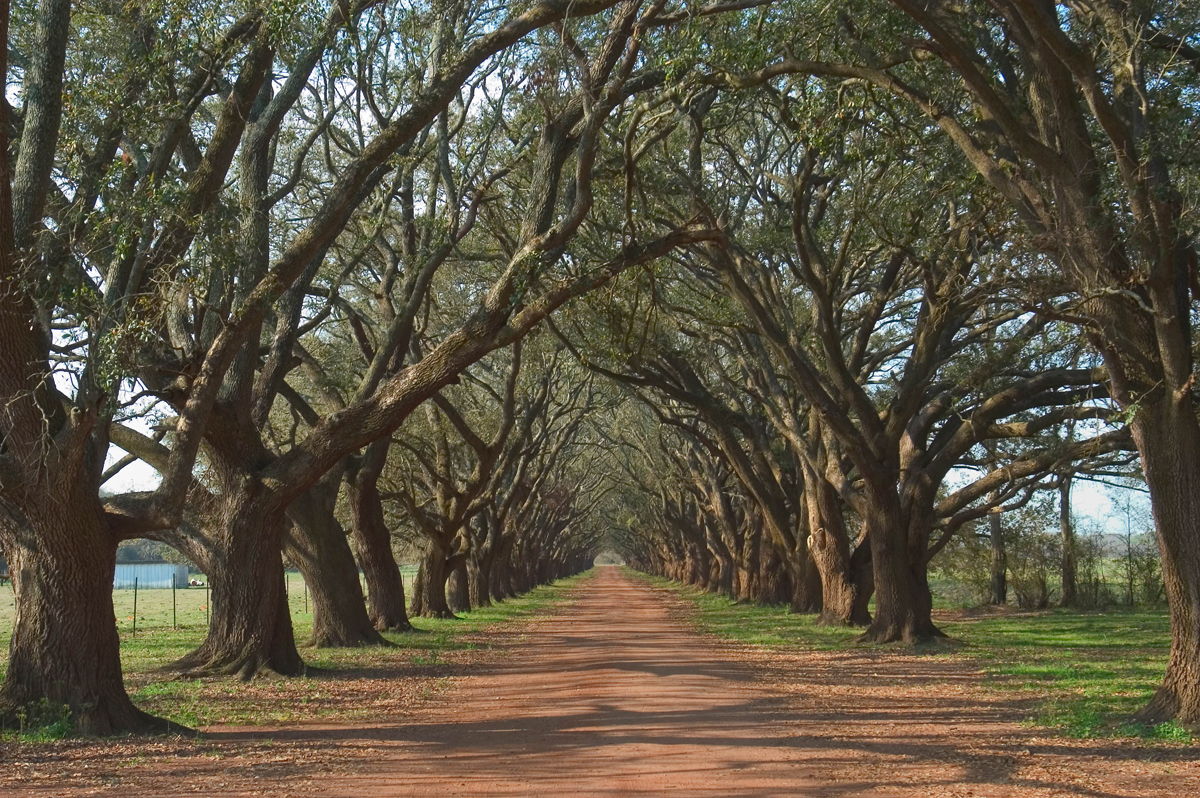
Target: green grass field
(331,689)
(1093,670)
(181,614)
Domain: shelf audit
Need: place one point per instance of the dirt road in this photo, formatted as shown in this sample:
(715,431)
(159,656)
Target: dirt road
(614,694)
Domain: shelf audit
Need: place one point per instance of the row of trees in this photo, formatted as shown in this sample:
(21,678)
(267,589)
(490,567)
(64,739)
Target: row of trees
(954,267)
(864,274)
(273,237)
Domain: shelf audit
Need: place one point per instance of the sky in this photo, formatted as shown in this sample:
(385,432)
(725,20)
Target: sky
(1097,507)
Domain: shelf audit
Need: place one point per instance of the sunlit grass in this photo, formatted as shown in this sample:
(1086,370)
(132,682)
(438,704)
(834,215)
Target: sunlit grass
(757,624)
(1093,670)
(341,684)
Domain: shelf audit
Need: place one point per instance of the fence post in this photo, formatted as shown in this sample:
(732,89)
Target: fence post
(174,615)
(135,585)
(207,610)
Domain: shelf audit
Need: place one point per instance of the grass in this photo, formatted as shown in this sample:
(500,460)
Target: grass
(343,683)
(168,626)
(1092,670)
(757,624)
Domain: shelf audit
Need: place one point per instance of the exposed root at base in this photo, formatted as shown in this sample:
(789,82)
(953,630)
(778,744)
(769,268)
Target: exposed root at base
(246,667)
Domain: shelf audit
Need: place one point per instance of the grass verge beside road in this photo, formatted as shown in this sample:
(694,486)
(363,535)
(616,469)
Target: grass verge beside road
(344,684)
(1091,670)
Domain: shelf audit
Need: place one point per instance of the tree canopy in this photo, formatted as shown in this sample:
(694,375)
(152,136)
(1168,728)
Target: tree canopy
(779,297)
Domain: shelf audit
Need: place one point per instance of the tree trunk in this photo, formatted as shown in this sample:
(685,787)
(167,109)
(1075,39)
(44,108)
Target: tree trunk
(417,606)
(999,567)
(903,603)
(479,568)
(457,588)
(840,604)
(1066,525)
(806,584)
(863,576)
(525,576)
(1167,434)
(726,575)
(250,628)
(317,546)
(501,578)
(429,594)
(698,572)
(774,580)
(748,566)
(64,651)
(373,540)
(829,546)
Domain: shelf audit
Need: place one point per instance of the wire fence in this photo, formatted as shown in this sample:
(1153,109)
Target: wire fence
(143,610)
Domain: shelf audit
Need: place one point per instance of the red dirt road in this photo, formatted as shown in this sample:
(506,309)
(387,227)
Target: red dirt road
(612,696)
(615,695)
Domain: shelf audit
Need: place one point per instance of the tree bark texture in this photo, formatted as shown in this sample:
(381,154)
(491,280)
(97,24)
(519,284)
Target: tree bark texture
(429,592)
(250,628)
(479,569)
(373,540)
(1167,433)
(458,589)
(317,545)
(64,650)
(829,545)
(903,603)
(999,564)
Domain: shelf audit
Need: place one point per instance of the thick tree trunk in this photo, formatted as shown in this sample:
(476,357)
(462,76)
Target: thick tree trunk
(64,651)
(1167,434)
(458,596)
(373,540)
(748,566)
(479,570)
(806,584)
(840,604)
(774,580)
(698,571)
(523,571)
(726,576)
(744,588)
(903,603)
(999,565)
(417,605)
(1066,525)
(862,574)
(317,546)
(830,549)
(250,629)
(429,593)
(501,578)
